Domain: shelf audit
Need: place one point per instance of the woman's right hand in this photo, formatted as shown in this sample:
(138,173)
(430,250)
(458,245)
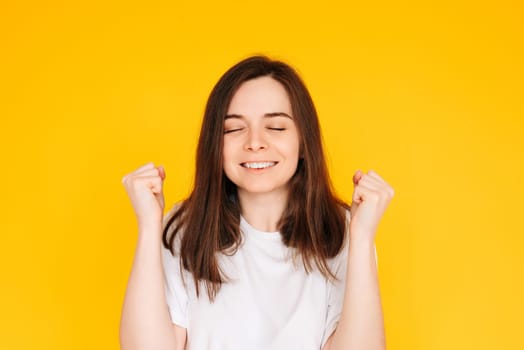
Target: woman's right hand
(144,188)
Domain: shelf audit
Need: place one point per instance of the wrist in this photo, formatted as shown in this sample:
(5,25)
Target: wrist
(150,229)
(361,238)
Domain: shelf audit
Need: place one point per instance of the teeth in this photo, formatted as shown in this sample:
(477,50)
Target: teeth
(258,165)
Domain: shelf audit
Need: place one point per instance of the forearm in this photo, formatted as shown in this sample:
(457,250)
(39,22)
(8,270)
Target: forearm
(361,324)
(145,322)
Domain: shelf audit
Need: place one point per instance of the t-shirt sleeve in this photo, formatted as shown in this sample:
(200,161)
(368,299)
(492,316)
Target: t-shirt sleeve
(336,289)
(175,292)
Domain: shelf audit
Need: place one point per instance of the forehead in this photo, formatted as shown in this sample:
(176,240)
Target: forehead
(258,96)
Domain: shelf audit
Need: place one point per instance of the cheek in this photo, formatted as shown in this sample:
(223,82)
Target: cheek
(227,155)
(293,147)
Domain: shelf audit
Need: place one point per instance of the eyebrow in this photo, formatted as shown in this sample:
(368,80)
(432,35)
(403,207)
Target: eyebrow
(266,115)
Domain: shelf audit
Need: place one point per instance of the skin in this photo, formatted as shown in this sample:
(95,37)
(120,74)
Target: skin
(252,136)
(361,324)
(249,137)
(145,321)
(262,198)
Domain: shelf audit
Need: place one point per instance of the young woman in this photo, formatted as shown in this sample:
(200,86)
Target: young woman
(259,255)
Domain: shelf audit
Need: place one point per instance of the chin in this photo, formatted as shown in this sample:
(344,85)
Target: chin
(261,189)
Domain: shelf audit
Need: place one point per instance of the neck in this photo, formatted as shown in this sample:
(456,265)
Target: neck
(263,210)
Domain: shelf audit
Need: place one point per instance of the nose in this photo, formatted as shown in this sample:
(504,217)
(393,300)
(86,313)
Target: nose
(255,141)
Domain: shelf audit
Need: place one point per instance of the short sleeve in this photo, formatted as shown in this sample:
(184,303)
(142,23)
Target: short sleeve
(176,293)
(336,289)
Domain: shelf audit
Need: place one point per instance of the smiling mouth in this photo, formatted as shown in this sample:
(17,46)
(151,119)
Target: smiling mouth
(258,165)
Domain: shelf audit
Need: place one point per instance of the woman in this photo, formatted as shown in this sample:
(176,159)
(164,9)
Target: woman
(258,256)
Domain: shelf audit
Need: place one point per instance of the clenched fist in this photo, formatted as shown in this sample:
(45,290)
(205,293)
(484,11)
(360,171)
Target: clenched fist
(144,188)
(371,197)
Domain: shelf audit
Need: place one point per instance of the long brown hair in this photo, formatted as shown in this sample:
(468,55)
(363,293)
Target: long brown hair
(314,221)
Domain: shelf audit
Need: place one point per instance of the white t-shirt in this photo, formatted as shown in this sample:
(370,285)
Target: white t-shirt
(269,303)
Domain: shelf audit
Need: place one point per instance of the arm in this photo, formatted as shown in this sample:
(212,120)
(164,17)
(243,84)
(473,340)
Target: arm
(361,324)
(145,321)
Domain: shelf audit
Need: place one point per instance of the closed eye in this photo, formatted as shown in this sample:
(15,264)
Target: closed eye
(279,129)
(232,130)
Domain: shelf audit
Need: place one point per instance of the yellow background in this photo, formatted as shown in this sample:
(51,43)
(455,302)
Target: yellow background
(428,94)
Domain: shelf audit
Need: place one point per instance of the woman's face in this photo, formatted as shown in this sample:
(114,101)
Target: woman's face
(261,141)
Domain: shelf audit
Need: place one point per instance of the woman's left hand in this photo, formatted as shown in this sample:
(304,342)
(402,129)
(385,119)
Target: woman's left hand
(371,196)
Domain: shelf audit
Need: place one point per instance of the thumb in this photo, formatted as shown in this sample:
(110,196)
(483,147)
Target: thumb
(357,177)
(160,195)
(160,199)
(354,202)
(162,172)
